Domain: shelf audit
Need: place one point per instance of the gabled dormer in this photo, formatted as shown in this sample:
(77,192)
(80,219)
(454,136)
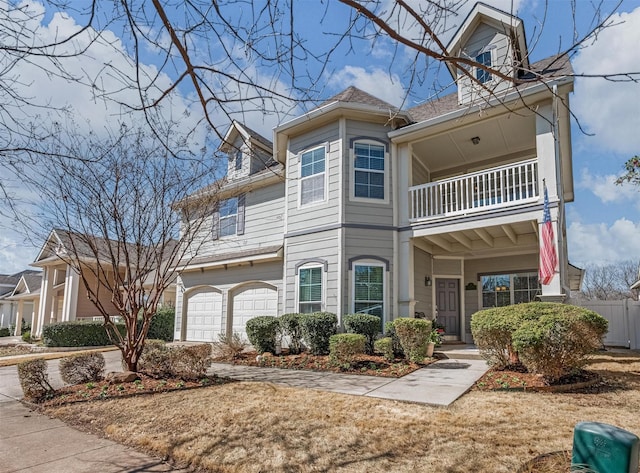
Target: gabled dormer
(248,151)
(496,39)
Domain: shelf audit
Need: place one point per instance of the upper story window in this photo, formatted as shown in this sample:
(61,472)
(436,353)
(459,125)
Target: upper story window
(228,216)
(505,289)
(369,171)
(238,160)
(481,74)
(310,290)
(312,172)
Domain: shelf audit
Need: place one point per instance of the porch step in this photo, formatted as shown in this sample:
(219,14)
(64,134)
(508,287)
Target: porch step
(459,351)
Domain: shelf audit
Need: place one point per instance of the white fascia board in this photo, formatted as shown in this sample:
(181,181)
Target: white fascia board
(275,256)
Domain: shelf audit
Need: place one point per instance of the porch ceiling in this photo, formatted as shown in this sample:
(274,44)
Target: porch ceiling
(497,240)
(453,151)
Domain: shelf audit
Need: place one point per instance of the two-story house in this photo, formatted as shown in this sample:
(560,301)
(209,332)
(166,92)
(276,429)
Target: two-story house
(357,206)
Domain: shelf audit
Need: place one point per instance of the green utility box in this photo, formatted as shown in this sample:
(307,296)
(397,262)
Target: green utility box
(605,448)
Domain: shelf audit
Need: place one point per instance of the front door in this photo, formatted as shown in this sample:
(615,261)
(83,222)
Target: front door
(448,302)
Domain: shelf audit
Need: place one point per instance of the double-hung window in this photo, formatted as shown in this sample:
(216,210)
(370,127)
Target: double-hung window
(505,289)
(228,216)
(312,172)
(310,290)
(483,75)
(238,160)
(368,290)
(369,171)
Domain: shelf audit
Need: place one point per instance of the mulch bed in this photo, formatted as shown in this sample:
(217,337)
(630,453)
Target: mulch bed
(516,378)
(101,390)
(363,364)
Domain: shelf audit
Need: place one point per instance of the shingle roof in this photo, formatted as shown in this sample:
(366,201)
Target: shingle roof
(256,136)
(553,67)
(354,95)
(33,281)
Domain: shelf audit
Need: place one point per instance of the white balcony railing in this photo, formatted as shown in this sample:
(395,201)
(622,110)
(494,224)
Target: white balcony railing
(489,189)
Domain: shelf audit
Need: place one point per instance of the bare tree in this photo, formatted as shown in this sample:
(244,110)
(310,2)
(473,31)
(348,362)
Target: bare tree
(610,282)
(126,212)
(632,172)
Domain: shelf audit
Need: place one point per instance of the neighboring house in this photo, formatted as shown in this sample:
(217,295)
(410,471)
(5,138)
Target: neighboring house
(64,293)
(433,210)
(19,296)
(635,287)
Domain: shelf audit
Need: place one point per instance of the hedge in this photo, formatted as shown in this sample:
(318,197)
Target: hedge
(344,347)
(77,334)
(162,324)
(317,328)
(291,328)
(5,332)
(414,337)
(364,324)
(262,332)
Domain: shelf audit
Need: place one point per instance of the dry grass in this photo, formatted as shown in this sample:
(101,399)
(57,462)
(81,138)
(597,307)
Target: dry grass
(255,427)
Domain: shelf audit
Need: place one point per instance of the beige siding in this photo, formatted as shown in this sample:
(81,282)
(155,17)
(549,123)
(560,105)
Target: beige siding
(483,39)
(423,293)
(86,308)
(322,245)
(228,281)
(373,211)
(447,267)
(419,175)
(264,216)
(321,213)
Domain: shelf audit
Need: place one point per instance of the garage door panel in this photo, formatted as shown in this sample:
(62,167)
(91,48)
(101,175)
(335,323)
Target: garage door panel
(204,316)
(253,302)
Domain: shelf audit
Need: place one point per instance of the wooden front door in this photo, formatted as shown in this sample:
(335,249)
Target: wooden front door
(448,302)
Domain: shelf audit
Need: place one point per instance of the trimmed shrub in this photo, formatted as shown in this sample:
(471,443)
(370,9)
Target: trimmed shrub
(5,332)
(556,344)
(262,332)
(162,323)
(159,360)
(390,331)
(384,346)
(414,337)
(77,334)
(344,347)
(317,328)
(34,380)
(230,347)
(26,336)
(364,324)
(190,362)
(291,328)
(82,368)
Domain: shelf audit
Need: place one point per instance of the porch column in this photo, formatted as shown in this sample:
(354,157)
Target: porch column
(46,296)
(70,300)
(406,293)
(546,152)
(553,292)
(19,313)
(34,316)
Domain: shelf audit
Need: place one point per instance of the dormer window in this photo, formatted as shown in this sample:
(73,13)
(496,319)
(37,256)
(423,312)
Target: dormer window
(484,59)
(238,160)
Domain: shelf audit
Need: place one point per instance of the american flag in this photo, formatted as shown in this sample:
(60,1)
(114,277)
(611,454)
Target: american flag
(548,255)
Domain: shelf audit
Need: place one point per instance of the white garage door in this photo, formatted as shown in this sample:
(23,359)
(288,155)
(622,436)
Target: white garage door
(204,316)
(252,302)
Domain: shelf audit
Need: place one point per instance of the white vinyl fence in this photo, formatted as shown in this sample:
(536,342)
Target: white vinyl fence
(624,321)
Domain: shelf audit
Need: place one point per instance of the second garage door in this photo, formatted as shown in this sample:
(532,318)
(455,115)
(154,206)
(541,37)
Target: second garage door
(253,301)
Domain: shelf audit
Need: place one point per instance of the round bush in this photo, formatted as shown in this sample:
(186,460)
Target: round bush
(317,328)
(364,324)
(5,332)
(82,368)
(384,346)
(390,331)
(558,343)
(34,379)
(414,337)
(344,347)
(492,331)
(262,332)
(291,328)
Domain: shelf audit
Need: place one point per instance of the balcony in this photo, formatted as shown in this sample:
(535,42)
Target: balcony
(477,192)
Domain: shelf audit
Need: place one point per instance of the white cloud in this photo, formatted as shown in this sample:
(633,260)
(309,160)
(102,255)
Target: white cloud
(600,244)
(610,109)
(14,255)
(605,188)
(375,81)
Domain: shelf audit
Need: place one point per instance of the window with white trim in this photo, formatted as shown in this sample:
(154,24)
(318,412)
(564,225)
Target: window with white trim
(310,289)
(238,160)
(312,172)
(369,170)
(368,289)
(228,216)
(483,75)
(499,290)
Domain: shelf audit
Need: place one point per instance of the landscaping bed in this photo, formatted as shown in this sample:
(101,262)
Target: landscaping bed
(102,390)
(369,365)
(13,350)
(516,378)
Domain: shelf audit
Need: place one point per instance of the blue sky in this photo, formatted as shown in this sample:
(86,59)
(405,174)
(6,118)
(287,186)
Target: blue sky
(603,222)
